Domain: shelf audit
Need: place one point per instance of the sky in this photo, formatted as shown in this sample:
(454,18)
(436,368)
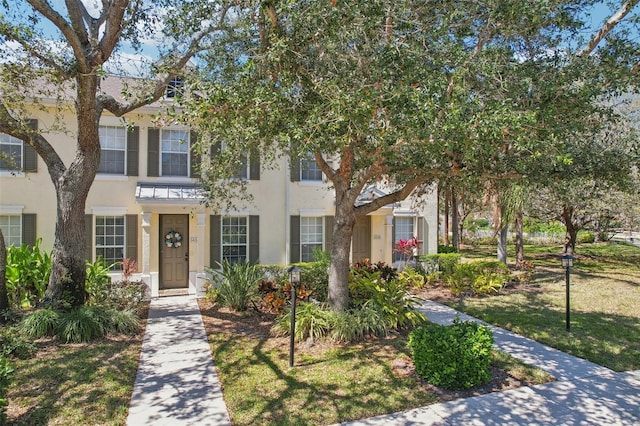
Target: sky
(128,62)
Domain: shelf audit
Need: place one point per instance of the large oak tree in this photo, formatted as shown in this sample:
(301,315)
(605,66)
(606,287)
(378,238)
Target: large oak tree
(62,50)
(396,93)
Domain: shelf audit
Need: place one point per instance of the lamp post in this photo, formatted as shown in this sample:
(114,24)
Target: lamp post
(567,263)
(294,279)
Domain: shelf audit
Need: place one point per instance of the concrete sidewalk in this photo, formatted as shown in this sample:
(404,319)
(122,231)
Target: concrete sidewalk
(584,394)
(176,382)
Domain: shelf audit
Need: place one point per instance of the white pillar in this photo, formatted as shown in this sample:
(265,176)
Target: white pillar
(146,255)
(388,240)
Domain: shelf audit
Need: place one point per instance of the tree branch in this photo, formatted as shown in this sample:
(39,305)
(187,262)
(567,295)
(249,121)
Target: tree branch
(608,26)
(15,128)
(113,15)
(396,196)
(68,32)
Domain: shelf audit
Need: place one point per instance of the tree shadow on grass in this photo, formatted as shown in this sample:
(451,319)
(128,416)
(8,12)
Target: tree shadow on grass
(93,381)
(610,340)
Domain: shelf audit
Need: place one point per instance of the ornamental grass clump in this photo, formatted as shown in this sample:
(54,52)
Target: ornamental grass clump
(453,357)
(238,284)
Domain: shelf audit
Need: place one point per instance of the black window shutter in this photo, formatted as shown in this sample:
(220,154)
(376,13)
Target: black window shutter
(215,252)
(133,137)
(88,237)
(295,239)
(132,236)
(422,228)
(254,239)
(153,152)
(30,157)
(29,229)
(254,165)
(195,155)
(328,232)
(295,169)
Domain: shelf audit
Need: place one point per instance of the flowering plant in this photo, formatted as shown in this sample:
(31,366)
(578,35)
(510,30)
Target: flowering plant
(173,239)
(406,247)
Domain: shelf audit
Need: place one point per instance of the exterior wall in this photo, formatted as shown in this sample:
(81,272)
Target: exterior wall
(276,198)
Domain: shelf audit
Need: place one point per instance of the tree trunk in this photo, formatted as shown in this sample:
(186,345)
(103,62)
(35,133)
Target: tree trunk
(344,222)
(4,297)
(502,243)
(571,231)
(445,237)
(455,220)
(519,240)
(66,288)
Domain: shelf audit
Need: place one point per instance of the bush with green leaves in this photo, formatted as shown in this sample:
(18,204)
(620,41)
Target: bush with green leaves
(27,274)
(391,299)
(6,377)
(13,344)
(125,294)
(478,278)
(317,321)
(315,275)
(237,284)
(586,237)
(445,263)
(442,249)
(80,325)
(453,357)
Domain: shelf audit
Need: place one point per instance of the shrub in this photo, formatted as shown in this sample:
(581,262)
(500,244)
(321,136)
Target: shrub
(358,324)
(454,357)
(315,275)
(12,343)
(477,278)
(80,325)
(238,284)
(446,263)
(411,278)
(442,249)
(97,281)
(6,377)
(364,267)
(312,321)
(398,308)
(41,323)
(27,274)
(586,238)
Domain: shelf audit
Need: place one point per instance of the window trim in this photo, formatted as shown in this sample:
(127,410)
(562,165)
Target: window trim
(319,218)
(187,153)
(106,212)
(19,168)
(125,150)
(246,235)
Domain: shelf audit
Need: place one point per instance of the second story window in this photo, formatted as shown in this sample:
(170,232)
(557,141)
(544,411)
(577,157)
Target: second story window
(10,153)
(113,143)
(309,170)
(174,146)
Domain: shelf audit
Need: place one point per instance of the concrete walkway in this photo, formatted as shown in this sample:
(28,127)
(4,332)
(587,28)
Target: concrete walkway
(584,393)
(176,382)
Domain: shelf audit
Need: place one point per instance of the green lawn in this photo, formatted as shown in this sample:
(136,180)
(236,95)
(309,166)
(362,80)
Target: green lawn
(330,383)
(83,384)
(605,303)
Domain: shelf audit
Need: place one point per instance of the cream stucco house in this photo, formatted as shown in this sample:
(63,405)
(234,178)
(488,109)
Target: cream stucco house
(145,204)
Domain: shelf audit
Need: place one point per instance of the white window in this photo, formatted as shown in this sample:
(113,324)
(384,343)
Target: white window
(10,153)
(311,237)
(403,231)
(175,152)
(234,239)
(11,226)
(113,142)
(309,170)
(110,238)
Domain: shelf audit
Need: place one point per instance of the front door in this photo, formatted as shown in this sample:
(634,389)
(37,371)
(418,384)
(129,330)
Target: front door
(174,251)
(361,241)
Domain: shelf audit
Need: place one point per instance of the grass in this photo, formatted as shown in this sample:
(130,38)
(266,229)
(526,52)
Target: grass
(75,384)
(330,383)
(605,295)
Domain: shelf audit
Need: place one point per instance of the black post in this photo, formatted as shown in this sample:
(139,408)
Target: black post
(293,323)
(568,320)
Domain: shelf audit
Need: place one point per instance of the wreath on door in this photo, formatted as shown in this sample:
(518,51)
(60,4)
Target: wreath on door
(173,239)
